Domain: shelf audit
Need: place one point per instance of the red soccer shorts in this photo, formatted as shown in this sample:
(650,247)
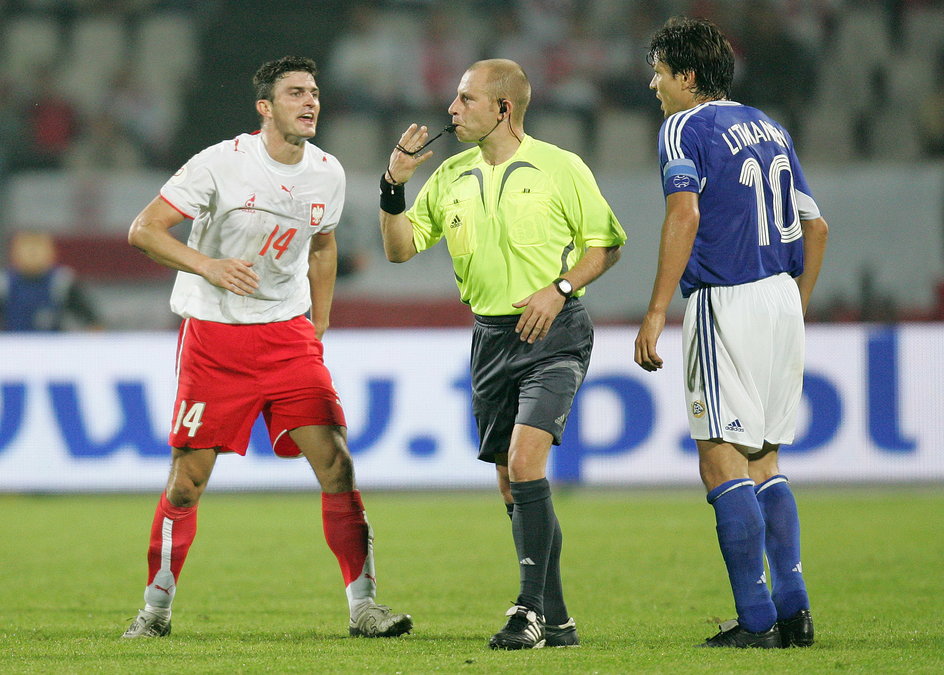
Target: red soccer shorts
(229,373)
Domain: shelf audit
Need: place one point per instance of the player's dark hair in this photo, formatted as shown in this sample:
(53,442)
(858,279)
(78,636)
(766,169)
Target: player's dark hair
(696,46)
(271,72)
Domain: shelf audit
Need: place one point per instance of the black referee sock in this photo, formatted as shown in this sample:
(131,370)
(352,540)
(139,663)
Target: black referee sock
(555,611)
(533,527)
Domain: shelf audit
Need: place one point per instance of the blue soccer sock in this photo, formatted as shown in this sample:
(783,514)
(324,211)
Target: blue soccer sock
(783,546)
(740,527)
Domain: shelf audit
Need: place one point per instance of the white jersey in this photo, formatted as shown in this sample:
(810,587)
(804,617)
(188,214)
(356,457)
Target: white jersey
(246,205)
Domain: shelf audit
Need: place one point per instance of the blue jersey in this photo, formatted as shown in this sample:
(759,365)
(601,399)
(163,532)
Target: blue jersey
(752,193)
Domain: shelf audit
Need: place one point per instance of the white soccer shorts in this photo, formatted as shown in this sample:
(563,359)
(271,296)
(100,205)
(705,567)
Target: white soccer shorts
(743,360)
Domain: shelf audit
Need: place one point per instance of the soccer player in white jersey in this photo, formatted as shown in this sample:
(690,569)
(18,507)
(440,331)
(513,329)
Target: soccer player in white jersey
(261,253)
(744,240)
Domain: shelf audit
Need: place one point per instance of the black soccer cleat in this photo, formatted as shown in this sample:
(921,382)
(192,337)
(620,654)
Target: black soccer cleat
(732,635)
(524,630)
(797,631)
(564,635)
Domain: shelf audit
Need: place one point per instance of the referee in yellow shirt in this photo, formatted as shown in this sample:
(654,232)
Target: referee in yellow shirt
(527,229)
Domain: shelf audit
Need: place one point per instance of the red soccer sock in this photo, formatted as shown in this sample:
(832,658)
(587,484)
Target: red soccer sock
(172,533)
(350,539)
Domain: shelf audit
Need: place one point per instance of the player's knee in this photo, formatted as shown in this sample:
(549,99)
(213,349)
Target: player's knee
(184,493)
(335,469)
(344,463)
(522,469)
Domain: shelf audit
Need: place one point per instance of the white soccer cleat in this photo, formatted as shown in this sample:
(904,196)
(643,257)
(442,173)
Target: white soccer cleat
(380,621)
(147,625)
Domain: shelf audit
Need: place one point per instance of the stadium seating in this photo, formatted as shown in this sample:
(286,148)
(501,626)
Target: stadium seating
(560,128)
(625,140)
(828,135)
(98,47)
(923,29)
(358,136)
(29,42)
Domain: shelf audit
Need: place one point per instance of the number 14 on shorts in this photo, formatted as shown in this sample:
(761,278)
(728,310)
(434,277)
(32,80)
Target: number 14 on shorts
(190,417)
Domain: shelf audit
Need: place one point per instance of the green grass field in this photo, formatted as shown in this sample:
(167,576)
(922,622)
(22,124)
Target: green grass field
(262,593)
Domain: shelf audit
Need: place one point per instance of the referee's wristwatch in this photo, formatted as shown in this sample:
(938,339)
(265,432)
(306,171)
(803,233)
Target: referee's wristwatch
(564,287)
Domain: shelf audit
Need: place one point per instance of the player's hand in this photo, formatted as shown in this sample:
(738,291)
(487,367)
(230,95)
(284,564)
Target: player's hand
(232,274)
(540,310)
(646,340)
(402,165)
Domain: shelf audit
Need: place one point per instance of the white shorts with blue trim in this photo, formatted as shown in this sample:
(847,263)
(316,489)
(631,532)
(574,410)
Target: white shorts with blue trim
(744,348)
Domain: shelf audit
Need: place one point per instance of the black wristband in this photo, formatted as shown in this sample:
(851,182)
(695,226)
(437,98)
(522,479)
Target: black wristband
(392,197)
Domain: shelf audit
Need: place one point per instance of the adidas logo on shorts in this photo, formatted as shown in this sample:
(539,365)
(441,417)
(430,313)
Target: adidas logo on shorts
(734,426)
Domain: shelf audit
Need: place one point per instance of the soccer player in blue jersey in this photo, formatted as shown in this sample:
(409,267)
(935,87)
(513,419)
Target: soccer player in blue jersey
(744,240)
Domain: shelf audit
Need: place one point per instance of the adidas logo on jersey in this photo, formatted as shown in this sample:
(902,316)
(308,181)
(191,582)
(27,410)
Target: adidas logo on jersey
(734,426)
(456,221)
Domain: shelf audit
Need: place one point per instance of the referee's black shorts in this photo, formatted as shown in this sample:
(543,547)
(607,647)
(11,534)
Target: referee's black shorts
(514,382)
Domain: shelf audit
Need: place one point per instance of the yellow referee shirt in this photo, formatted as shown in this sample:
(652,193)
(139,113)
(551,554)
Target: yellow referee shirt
(513,228)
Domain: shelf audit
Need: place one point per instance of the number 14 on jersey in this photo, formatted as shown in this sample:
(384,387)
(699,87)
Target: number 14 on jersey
(278,242)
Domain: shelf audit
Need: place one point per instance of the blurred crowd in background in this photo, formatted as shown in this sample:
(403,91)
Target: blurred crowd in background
(125,85)
(129,83)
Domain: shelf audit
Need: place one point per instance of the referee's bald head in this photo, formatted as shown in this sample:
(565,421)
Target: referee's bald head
(506,80)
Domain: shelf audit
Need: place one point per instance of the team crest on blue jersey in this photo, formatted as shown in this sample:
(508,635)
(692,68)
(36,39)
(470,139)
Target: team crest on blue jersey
(317,213)
(698,409)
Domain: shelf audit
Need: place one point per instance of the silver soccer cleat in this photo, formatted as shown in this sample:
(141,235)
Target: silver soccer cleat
(148,624)
(380,621)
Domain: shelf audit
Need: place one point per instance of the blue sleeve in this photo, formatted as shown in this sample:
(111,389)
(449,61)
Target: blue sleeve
(678,156)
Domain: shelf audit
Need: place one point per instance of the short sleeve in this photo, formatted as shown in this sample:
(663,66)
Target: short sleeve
(333,216)
(426,215)
(190,191)
(679,155)
(596,223)
(806,205)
